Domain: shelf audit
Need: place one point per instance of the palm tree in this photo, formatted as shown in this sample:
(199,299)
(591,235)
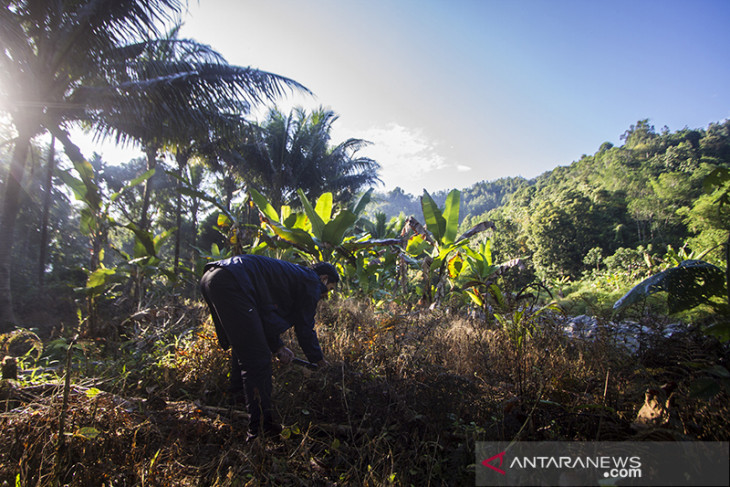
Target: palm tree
(177,95)
(183,92)
(93,61)
(50,50)
(293,152)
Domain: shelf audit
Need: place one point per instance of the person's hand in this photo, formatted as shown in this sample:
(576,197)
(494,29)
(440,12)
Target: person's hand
(284,355)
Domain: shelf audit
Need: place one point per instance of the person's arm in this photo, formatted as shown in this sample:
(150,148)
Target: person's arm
(272,324)
(309,342)
(304,327)
(275,343)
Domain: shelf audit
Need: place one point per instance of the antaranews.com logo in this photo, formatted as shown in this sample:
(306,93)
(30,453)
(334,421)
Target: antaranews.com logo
(613,467)
(592,463)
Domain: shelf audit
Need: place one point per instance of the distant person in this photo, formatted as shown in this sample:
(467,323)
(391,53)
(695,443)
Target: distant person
(253,299)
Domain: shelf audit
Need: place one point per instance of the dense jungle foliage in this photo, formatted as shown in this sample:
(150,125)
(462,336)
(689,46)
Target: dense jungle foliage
(558,308)
(647,193)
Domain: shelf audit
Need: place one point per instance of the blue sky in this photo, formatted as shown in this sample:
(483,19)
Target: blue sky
(456,92)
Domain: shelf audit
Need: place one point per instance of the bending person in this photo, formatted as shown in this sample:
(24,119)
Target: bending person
(253,299)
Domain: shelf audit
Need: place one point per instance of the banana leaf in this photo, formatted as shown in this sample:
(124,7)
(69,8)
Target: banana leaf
(451,216)
(314,218)
(435,222)
(324,207)
(334,230)
(295,236)
(264,205)
(362,202)
(691,283)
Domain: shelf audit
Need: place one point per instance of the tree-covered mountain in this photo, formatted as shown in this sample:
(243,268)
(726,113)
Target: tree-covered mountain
(647,193)
(475,200)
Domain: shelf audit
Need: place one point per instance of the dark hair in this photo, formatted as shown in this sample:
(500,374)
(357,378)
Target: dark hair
(325,269)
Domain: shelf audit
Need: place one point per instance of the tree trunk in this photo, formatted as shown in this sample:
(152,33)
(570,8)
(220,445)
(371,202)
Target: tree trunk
(144,224)
(194,239)
(727,267)
(228,187)
(182,161)
(10,208)
(147,192)
(48,189)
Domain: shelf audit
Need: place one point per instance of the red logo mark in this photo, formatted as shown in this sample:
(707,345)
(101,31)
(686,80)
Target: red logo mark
(501,460)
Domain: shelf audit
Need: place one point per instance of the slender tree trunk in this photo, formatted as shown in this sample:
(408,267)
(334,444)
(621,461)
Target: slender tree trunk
(144,223)
(194,216)
(228,187)
(727,267)
(182,161)
(10,208)
(147,192)
(178,224)
(48,189)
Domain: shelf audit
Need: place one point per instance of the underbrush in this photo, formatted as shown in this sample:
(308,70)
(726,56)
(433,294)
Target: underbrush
(405,399)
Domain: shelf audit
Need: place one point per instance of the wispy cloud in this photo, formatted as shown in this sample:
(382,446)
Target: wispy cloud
(406,155)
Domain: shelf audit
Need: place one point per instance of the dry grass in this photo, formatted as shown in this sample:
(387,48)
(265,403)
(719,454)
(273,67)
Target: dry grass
(406,398)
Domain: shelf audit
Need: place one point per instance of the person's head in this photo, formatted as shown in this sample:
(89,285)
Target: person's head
(327,274)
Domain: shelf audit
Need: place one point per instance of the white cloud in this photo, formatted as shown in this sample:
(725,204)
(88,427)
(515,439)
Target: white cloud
(406,155)
(463,168)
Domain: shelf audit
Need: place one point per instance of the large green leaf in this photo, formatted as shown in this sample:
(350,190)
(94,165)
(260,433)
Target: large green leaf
(160,238)
(92,197)
(76,185)
(324,207)
(334,231)
(314,218)
(88,223)
(264,205)
(417,245)
(285,214)
(144,244)
(362,202)
(99,277)
(297,220)
(294,236)
(451,216)
(134,182)
(690,284)
(435,222)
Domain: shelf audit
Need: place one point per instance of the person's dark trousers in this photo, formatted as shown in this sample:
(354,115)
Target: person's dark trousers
(236,381)
(234,311)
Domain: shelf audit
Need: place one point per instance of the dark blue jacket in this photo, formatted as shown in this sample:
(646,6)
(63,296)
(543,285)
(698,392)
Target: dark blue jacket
(285,295)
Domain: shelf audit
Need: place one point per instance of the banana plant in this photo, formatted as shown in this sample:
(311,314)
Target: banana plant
(691,283)
(319,230)
(321,233)
(328,230)
(434,243)
(96,222)
(475,274)
(289,228)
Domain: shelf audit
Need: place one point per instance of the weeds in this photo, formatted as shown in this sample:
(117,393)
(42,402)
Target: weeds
(408,395)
